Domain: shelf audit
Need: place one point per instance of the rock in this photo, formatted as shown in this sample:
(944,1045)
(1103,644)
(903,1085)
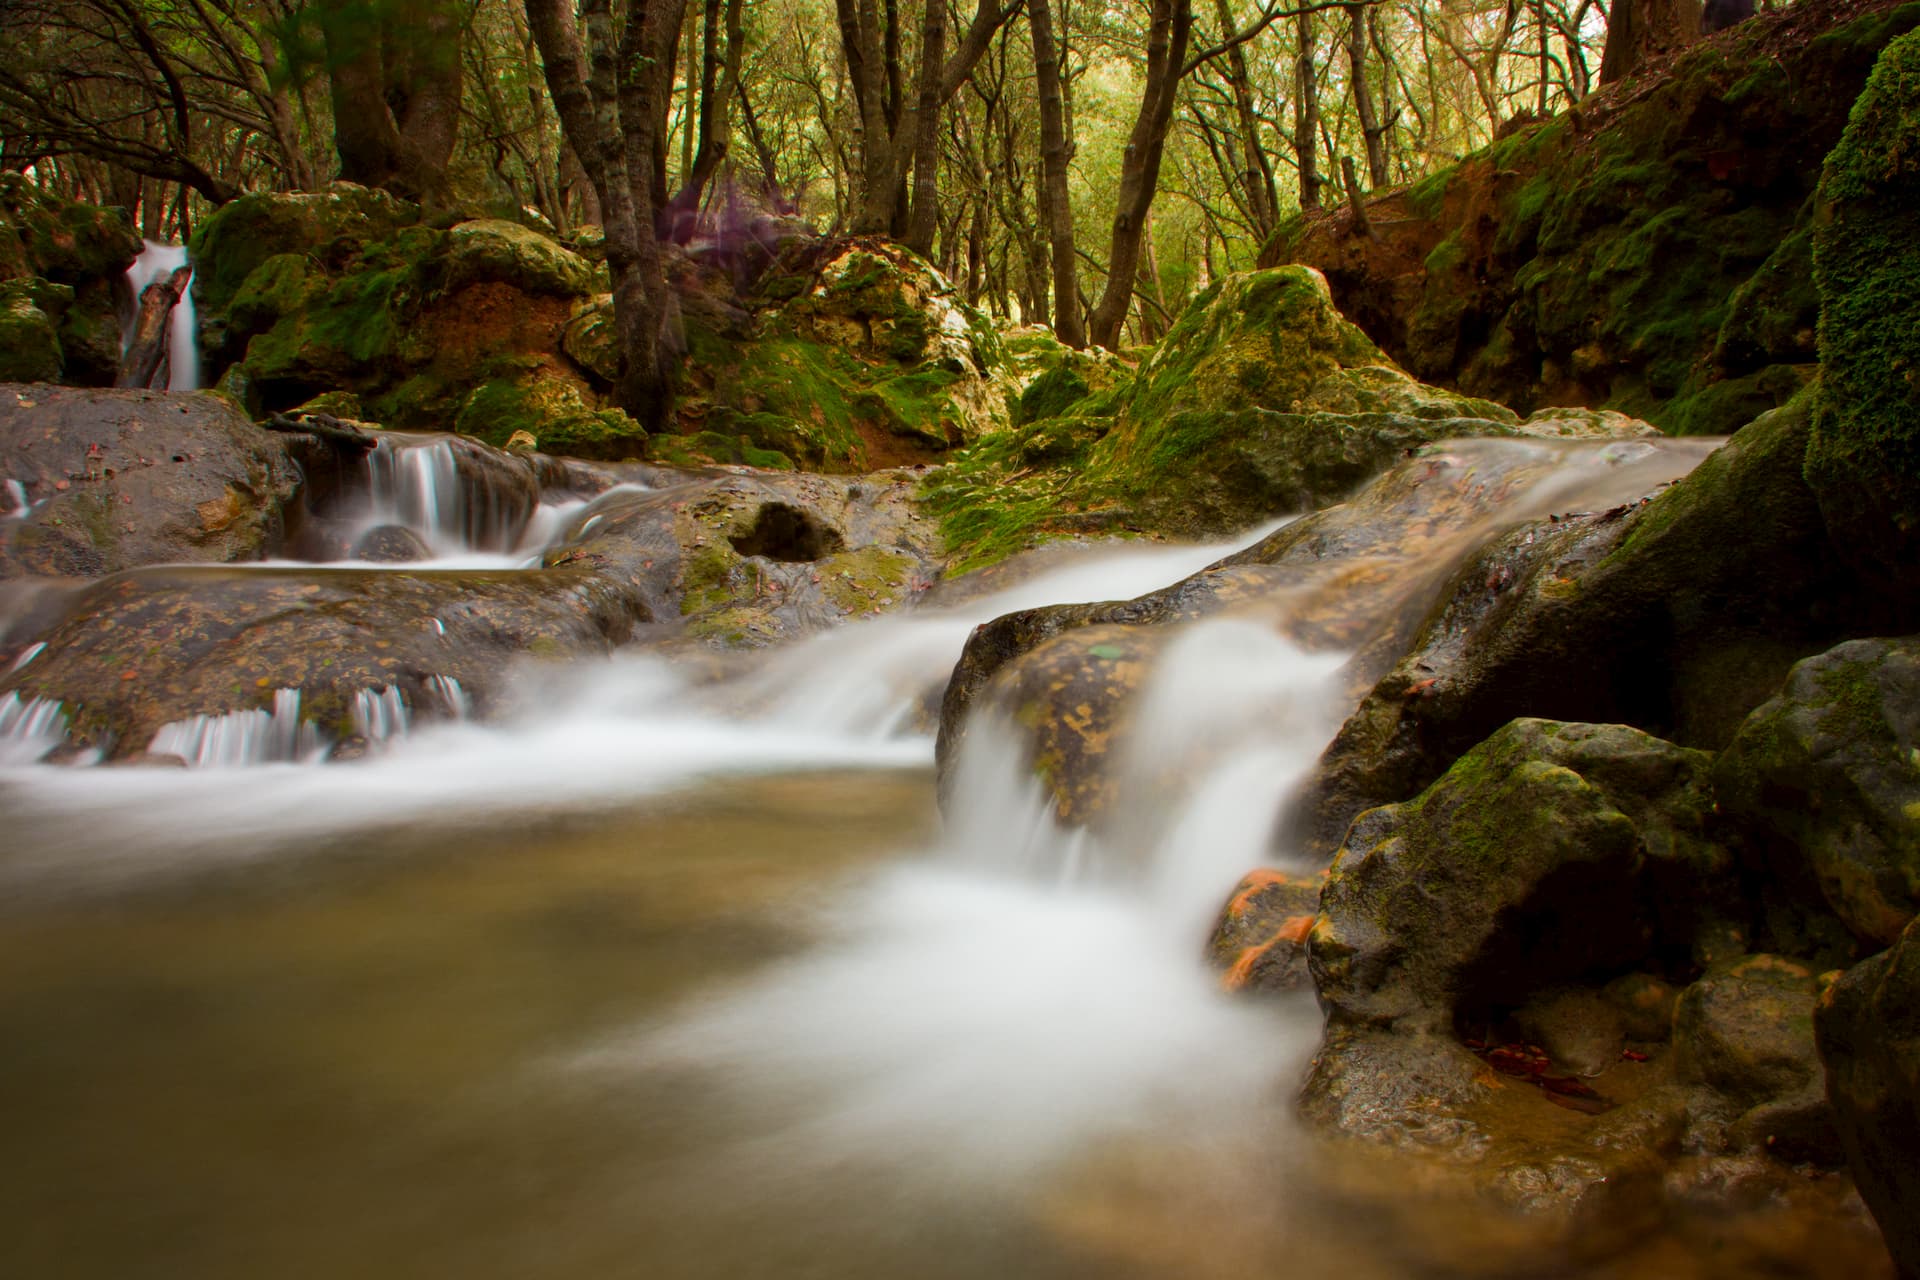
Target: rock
(1355,577)
(1868,1029)
(125,478)
(329,226)
(746,560)
(1680,616)
(391,544)
(554,413)
(1640,252)
(1863,461)
(1826,778)
(1745,1031)
(1580,1029)
(1260,941)
(1644,1004)
(489,249)
(148,647)
(1260,401)
(1528,865)
(29,338)
(1572,423)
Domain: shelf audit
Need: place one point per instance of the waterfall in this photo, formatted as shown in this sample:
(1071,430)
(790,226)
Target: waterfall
(157,262)
(29,727)
(241,737)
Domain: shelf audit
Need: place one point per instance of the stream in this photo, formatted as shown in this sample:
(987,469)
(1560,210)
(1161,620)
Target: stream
(662,977)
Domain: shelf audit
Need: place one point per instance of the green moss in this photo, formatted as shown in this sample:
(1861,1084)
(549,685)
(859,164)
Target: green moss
(1864,458)
(1447,256)
(553,412)
(1426,197)
(868,579)
(29,338)
(710,578)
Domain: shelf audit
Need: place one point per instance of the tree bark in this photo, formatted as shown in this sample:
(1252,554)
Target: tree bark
(395,83)
(719,81)
(607,96)
(1056,153)
(1169,32)
(1371,128)
(1639,29)
(1306,115)
(147,353)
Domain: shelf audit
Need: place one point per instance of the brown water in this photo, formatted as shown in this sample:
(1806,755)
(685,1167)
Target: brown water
(363,1058)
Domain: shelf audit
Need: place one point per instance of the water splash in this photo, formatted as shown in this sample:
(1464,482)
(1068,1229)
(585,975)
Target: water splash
(27,655)
(242,737)
(29,728)
(453,702)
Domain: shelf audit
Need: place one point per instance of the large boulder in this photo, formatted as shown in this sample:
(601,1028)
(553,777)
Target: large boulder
(1863,461)
(1826,777)
(1261,400)
(743,560)
(1745,1032)
(117,479)
(1868,1028)
(1354,577)
(153,647)
(1678,615)
(1533,862)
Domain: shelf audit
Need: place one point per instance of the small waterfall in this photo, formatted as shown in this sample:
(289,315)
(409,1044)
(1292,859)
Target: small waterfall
(242,737)
(453,702)
(380,715)
(417,486)
(27,655)
(31,727)
(157,262)
(18,505)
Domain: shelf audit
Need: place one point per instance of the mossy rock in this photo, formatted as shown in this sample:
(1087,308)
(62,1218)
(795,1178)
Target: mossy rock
(1864,458)
(1826,778)
(29,337)
(489,249)
(554,411)
(1528,864)
(65,241)
(329,226)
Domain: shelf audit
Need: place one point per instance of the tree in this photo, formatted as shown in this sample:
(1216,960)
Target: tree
(394,70)
(608,91)
(1640,29)
(1056,150)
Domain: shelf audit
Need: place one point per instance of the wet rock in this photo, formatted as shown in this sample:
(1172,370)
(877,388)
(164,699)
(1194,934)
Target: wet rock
(1579,1028)
(1868,1029)
(1526,866)
(1826,778)
(1679,616)
(124,478)
(29,337)
(391,544)
(1355,577)
(555,412)
(1644,1005)
(331,226)
(488,249)
(62,264)
(1863,461)
(1260,941)
(147,647)
(1745,1031)
(744,560)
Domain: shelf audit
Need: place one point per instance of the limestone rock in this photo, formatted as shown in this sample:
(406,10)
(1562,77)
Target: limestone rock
(118,479)
(1827,778)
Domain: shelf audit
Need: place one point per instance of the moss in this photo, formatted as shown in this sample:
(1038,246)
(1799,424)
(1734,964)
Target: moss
(242,234)
(489,249)
(867,579)
(1863,460)
(704,447)
(552,410)
(29,338)
(1447,256)
(710,578)
(1051,394)
(1425,197)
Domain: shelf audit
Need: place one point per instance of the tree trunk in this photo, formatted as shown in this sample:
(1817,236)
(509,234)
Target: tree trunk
(1638,29)
(1371,129)
(395,82)
(1306,115)
(1056,152)
(719,80)
(1170,29)
(147,352)
(607,96)
(924,220)
(1260,198)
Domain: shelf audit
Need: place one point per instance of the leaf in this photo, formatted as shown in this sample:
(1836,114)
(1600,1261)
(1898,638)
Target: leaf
(1108,651)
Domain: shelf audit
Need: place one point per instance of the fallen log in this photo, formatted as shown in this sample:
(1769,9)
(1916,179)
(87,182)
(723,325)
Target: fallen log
(339,433)
(147,352)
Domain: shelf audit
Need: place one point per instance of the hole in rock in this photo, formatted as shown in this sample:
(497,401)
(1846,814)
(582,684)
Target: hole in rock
(782,532)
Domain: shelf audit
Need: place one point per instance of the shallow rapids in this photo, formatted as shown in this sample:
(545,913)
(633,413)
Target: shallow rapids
(680,976)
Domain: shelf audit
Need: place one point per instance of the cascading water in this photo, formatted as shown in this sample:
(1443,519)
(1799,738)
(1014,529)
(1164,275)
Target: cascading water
(242,737)
(157,262)
(29,728)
